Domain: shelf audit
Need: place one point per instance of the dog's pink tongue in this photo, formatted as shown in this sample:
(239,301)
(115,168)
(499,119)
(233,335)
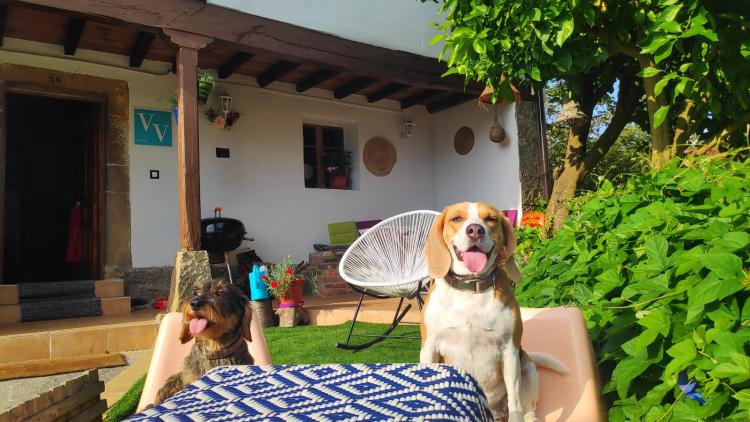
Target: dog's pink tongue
(475,260)
(197,325)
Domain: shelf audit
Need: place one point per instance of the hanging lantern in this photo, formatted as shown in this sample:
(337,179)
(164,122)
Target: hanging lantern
(226,104)
(571,116)
(407,128)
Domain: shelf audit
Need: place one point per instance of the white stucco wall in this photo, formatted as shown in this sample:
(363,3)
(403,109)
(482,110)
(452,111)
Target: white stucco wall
(405,25)
(489,172)
(262,183)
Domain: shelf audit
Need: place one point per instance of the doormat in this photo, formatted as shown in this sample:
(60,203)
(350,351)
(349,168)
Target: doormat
(59,308)
(55,289)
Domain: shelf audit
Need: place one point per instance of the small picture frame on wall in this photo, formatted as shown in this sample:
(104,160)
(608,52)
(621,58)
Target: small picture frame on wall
(152,127)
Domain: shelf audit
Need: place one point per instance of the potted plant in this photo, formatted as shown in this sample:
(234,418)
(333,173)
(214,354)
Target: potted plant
(220,121)
(205,85)
(286,282)
(340,170)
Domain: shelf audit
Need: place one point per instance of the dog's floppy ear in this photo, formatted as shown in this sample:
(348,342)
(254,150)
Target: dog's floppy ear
(436,251)
(507,250)
(246,320)
(185,335)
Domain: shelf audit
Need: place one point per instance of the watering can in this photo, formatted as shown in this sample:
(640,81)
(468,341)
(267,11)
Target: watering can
(258,287)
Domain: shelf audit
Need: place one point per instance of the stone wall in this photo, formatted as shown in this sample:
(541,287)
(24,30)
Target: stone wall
(325,266)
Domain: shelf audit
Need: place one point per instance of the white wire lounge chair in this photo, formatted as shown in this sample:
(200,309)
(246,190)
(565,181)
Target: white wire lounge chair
(387,261)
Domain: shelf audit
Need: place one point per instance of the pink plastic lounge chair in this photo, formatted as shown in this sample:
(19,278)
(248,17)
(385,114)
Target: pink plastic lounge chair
(561,332)
(169,354)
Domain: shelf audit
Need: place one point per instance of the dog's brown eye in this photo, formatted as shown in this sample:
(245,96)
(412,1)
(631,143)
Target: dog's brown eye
(457,219)
(492,218)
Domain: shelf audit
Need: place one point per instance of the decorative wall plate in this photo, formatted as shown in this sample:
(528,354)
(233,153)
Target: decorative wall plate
(379,156)
(463,140)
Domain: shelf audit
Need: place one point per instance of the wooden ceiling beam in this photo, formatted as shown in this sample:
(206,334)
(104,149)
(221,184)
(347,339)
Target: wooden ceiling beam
(448,102)
(245,32)
(140,48)
(419,97)
(352,87)
(3,21)
(73,36)
(386,91)
(315,79)
(275,71)
(235,62)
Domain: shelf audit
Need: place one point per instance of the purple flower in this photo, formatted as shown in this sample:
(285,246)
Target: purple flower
(688,388)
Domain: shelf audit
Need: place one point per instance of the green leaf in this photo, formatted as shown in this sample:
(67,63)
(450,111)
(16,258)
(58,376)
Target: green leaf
(724,264)
(668,14)
(479,46)
(656,247)
(743,395)
(437,38)
(536,14)
(566,30)
(535,75)
(745,50)
(649,72)
(660,115)
(627,370)
(737,371)
(682,353)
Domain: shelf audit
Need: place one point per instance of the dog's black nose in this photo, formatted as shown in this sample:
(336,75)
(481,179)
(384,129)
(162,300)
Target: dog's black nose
(197,303)
(475,231)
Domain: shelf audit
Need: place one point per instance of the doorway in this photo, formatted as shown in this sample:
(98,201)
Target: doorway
(53,171)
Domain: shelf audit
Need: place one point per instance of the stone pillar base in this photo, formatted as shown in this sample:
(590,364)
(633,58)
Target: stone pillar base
(189,268)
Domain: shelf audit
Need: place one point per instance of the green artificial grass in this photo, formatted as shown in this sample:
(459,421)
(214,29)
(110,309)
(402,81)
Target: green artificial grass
(317,345)
(127,404)
(309,344)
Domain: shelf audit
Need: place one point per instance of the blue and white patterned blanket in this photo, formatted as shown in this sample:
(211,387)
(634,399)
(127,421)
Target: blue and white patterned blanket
(376,392)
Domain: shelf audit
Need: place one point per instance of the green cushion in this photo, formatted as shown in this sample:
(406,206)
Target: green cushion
(342,233)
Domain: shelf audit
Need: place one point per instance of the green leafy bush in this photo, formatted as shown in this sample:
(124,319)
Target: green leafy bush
(659,269)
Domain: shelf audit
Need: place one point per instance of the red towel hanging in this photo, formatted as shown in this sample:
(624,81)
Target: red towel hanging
(74,252)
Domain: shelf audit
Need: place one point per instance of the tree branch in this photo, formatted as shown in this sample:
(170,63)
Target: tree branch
(683,127)
(627,99)
(728,131)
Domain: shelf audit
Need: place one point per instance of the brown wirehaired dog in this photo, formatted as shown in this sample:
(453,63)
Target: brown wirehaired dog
(218,315)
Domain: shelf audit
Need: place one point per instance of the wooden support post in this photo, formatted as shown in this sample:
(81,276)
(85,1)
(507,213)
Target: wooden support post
(188,169)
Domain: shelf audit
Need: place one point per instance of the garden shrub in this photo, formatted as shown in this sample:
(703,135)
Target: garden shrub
(659,269)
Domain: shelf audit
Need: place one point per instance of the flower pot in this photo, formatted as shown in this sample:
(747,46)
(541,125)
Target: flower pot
(340,182)
(294,295)
(533,219)
(204,90)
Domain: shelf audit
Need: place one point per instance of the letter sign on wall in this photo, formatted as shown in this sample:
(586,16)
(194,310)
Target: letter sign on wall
(152,127)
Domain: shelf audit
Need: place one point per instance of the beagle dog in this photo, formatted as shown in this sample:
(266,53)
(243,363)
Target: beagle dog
(471,318)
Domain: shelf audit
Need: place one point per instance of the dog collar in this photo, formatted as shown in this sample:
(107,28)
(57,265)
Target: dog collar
(226,351)
(471,283)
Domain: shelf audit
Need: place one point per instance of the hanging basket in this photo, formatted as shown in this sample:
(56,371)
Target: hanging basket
(204,90)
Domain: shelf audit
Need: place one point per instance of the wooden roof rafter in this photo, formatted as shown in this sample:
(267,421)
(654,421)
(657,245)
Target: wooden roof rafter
(243,44)
(73,36)
(275,72)
(141,45)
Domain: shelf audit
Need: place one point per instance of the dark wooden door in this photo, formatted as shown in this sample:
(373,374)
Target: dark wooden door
(51,161)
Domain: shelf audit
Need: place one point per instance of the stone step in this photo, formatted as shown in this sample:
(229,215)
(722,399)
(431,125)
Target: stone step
(10,314)
(115,305)
(102,288)
(78,336)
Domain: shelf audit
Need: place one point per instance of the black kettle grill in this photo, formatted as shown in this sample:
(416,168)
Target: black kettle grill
(219,234)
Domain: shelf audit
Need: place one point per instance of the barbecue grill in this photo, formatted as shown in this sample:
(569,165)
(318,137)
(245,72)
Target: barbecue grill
(222,235)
